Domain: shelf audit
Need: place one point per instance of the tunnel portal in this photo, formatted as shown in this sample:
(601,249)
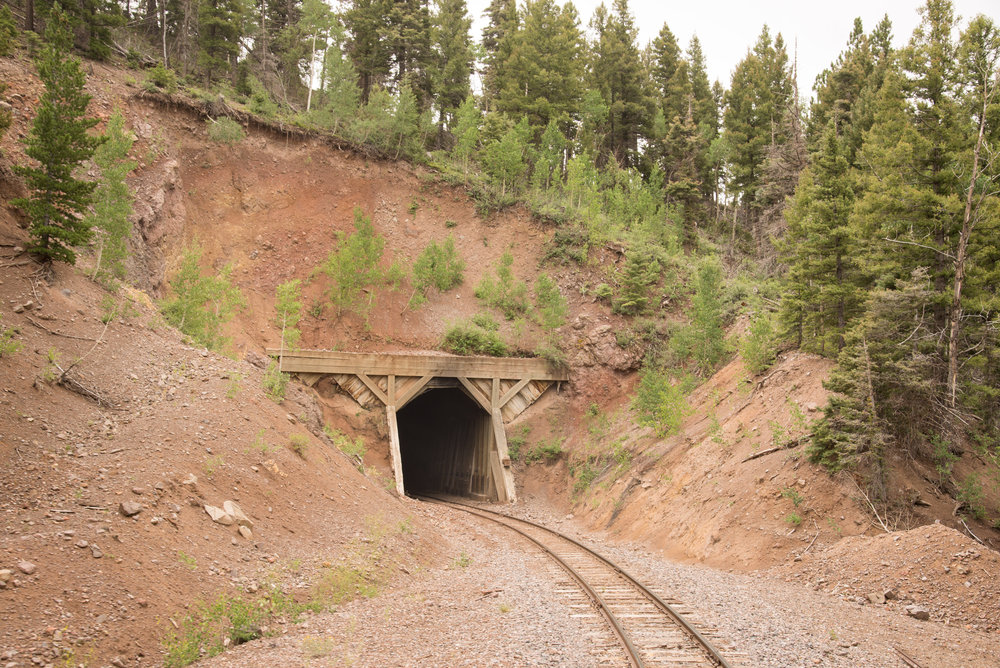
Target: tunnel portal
(449,410)
(444,443)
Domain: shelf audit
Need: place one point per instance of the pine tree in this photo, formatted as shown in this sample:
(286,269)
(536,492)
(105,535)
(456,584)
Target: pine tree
(452,58)
(617,73)
(112,199)
(367,23)
(59,143)
(220,28)
(316,24)
(408,33)
(497,43)
(543,77)
(757,99)
(8,32)
(823,274)
(90,23)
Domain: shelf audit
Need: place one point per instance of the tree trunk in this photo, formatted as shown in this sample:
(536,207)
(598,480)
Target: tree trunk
(955,316)
(312,70)
(29,16)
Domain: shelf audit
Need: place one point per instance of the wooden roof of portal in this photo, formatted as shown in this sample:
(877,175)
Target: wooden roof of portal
(412,364)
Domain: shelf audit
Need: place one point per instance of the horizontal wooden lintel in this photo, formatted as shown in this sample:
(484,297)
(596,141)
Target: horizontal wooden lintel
(410,364)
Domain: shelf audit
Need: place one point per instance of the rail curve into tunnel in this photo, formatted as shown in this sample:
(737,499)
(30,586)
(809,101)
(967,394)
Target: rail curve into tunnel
(444,444)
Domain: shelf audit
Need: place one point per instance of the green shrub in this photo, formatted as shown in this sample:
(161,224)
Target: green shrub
(516,441)
(642,271)
(201,304)
(504,292)
(550,306)
(275,382)
(467,338)
(355,449)
(486,321)
(545,450)
(353,268)
(8,31)
(437,266)
(8,343)
(162,78)
(225,131)
(661,400)
(757,347)
(298,443)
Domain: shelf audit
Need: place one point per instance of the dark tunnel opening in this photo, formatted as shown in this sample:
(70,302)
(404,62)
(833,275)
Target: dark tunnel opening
(444,445)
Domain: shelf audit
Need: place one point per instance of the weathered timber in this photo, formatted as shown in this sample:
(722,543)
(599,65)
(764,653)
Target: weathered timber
(408,364)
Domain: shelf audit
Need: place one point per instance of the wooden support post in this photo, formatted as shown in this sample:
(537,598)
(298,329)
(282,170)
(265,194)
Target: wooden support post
(397,461)
(373,386)
(500,461)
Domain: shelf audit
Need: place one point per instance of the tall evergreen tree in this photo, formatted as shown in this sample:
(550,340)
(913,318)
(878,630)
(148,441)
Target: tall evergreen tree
(452,58)
(617,73)
(544,76)
(220,28)
(497,43)
(822,284)
(367,23)
(59,144)
(755,103)
(408,33)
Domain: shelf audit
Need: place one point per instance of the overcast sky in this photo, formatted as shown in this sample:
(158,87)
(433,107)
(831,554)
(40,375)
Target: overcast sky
(727,29)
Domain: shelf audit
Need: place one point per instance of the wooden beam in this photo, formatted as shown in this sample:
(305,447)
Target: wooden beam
(501,466)
(403,364)
(512,392)
(373,386)
(479,397)
(394,454)
(412,391)
(495,395)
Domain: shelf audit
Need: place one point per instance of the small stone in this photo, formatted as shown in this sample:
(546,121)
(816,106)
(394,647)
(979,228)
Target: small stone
(18,309)
(138,491)
(143,603)
(5,575)
(26,567)
(130,508)
(82,544)
(918,612)
(118,662)
(96,551)
(218,515)
(246,533)
(190,480)
(877,598)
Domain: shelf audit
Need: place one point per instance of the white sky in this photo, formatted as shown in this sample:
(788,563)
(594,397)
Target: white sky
(727,28)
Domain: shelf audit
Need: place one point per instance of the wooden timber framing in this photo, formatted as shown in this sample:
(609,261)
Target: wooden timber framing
(502,387)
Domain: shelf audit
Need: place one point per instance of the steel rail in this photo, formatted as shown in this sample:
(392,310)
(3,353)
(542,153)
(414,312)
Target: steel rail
(712,653)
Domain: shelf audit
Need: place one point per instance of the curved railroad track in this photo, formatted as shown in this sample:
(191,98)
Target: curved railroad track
(646,629)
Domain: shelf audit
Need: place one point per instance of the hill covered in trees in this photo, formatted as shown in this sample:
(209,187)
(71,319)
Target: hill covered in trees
(861,225)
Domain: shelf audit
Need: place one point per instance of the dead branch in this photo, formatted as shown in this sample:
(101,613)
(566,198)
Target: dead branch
(55,333)
(760,454)
(974,536)
(906,658)
(872,506)
(15,264)
(914,243)
(810,544)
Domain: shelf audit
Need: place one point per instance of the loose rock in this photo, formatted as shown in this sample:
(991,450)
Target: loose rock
(918,612)
(26,567)
(218,515)
(237,514)
(130,508)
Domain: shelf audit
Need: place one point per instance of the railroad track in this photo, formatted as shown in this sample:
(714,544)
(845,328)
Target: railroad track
(642,628)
